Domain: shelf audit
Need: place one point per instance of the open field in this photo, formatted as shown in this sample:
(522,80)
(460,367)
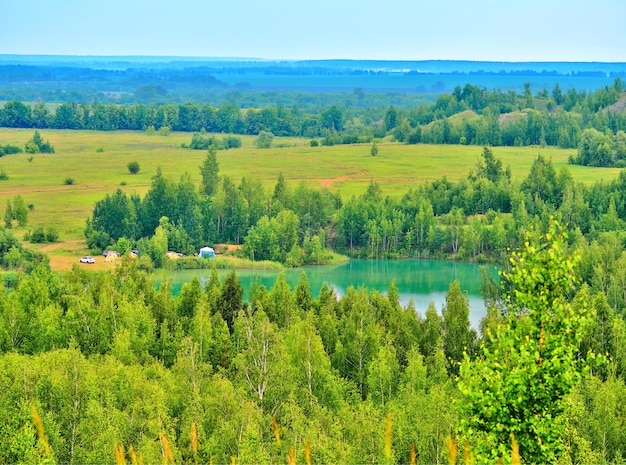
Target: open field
(343,168)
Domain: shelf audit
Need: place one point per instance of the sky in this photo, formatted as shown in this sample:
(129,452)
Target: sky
(480,30)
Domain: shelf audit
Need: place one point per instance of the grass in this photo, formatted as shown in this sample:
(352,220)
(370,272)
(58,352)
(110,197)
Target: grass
(98,164)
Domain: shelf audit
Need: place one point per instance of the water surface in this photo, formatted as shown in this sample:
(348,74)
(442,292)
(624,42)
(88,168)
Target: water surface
(422,281)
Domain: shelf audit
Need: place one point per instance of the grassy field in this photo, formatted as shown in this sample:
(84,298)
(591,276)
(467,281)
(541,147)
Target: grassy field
(97,163)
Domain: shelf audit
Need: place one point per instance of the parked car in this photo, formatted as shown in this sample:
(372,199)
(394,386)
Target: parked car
(87,259)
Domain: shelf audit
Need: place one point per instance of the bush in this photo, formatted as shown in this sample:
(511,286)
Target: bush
(68,181)
(314,143)
(203,142)
(374,149)
(100,149)
(232,142)
(38,236)
(264,140)
(164,131)
(37,145)
(3,176)
(52,235)
(9,149)
(31,147)
(349,139)
(133,167)
(150,131)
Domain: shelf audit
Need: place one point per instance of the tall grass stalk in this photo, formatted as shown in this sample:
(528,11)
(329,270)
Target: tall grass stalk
(308,458)
(120,458)
(388,436)
(133,456)
(276,430)
(468,457)
(194,442)
(452,450)
(168,457)
(515,457)
(40,431)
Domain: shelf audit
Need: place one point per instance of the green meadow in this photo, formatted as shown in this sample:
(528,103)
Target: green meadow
(97,164)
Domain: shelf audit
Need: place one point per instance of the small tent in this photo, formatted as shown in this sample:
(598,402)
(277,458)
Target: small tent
(111,258)
(206,252)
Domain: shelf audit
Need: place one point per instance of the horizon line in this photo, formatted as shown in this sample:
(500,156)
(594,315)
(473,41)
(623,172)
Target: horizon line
(260,59)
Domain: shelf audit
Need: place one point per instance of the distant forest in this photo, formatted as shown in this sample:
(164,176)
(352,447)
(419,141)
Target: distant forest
(593,121)
(257,83)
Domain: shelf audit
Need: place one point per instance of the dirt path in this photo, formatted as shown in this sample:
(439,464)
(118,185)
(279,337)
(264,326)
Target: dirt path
(328,182)
(63,255)
(58,245)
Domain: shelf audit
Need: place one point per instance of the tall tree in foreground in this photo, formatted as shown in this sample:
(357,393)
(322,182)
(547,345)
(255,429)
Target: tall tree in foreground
(519,385)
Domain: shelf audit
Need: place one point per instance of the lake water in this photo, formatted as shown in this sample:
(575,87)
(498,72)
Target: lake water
(423,281)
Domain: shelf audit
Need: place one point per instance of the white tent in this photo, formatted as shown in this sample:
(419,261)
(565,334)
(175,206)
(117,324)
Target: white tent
(206,252)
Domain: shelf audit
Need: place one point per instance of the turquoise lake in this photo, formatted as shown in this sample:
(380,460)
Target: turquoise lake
(423,281)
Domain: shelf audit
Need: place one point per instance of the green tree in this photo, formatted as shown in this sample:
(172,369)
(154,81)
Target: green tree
(114,215)
(264,140)
(210,172)
(20,211)
(595,149)
(159,244)
(8,215)
(374,149)
(230,300)
(391,118)
(133,167)
(16,115)
(458,337)
(384,371)
(257,338)
(520,383)
(332,119)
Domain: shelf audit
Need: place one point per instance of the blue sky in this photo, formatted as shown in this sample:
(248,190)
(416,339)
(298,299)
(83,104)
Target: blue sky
(499,30)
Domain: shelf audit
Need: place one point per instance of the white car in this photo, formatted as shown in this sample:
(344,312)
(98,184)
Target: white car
(87,260)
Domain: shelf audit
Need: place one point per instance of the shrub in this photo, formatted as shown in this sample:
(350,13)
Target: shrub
(164,131)
(314,143)
(9,149)
(264,140)
(349,139)
(37,145)
(232,142)
(68,181)
(52,235)
(100,149)
(150,131)
(3,176)
(31,147)
(203,142)
(374,149)
(133,167)
(38,236)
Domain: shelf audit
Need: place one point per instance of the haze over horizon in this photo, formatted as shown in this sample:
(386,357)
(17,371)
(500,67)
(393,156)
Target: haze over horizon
(484,30)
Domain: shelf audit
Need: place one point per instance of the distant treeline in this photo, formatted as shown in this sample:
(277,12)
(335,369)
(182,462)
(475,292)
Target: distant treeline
(469,115)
